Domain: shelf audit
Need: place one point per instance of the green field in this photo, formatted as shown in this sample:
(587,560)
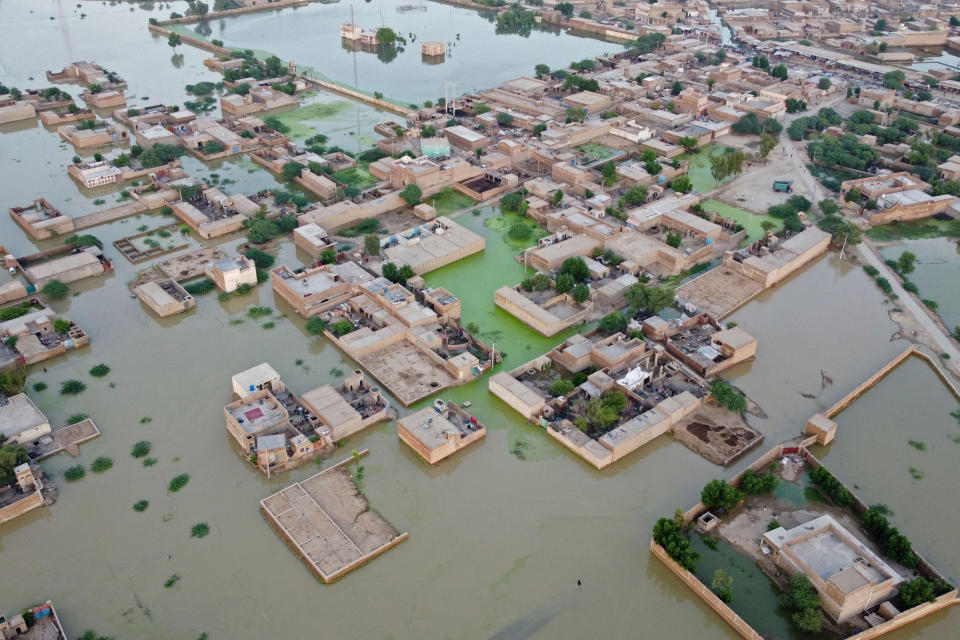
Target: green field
(915,230)
(751,221)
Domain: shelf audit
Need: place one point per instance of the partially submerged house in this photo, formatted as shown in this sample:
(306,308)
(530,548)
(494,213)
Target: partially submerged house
(165,297)
(439,431)
(37,335)
(232,272)
(281,431)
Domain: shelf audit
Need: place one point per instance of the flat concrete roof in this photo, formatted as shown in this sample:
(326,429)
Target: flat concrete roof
(254,376)
(19,414)
(329,406)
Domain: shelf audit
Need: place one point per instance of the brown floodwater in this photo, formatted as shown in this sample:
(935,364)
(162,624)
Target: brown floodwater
(497,543)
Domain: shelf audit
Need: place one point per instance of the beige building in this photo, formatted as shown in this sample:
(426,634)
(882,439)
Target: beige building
(848,576)
(432,245)
(16,110)
(21,421)
(313,239)
(165,297)
(230,273)
(259,99)
(37,338)
(109,99)
(101,135)
(41,220)
(439,431)
(320,289)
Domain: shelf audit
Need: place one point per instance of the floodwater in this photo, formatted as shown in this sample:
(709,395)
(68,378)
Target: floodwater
(477,58)
(883,419)
(936,274)
(753,222)
(497,543)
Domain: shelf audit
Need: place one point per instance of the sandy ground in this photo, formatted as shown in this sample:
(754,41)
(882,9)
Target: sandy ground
(718,291)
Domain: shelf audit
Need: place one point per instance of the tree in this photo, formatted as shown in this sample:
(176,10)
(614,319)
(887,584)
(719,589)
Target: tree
(614,322)
(55,289)
(717,494)
(557,197)
(565,8)
(386,36)
(11,456)
(636,195)
(795,106)
(954,21)
(260,258)
(727,164)
(580,293)
(316,325)
(411,194)
(761,62)
(807,620)
(722,585)
(758,483)
(905,263)
(174,40)
(916,592)
(642,297)
(894,79)
(749,123)
(824,83)
(689,143)
(504,118)
(728,397)
(292,170)
(669,535)
(609,173)
(371,242)
(676,88)
(780,72)
(561,388)
(576,267)
(564,283)
(767,144)
(674,239)
(681,184)
(541,70)
(801,599)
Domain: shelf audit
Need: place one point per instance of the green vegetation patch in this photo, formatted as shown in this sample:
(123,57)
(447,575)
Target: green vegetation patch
(140,506)
(179,482)
(71,387)
(101,464)
(200,530)
(100,370)
(917,230)
(297,119)
(74,473)
(141,449)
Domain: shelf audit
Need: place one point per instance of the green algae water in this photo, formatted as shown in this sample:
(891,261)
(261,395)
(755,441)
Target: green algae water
(751,221)
(497,540)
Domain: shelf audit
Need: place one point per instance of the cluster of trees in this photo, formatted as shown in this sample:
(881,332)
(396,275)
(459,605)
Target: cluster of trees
(647,43)
(894,79)
(722,585)
(396,274)
(669,535)
(580,84)
(728,397)
(789,210)
(682,184)
(825,117)
(514,202)
(600,414)
(411,194)
(895,544)
(758,483)
(156,155)
(727,164)
(717,494)
(750,123)
(845,151)
(565,8)
(795,106)
(516,20)
(839,229)
(649,160)
(801,599)
(861,123)
(832,487)
(260,230)
(539,282)
(11,455)
(648,298)
(561,387)
(614,322)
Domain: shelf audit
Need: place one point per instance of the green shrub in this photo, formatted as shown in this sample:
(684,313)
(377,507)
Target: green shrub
(71,387)
(140,506)
(832,487)
(56,290)
(204,285)
(719,494)
(100,370)
(141,449)
(172,580)
(200,530)
(341,328)
(670,536)
(728,397)
(614,322)
(316,325)
(149,462)
(101,464)
(261,258)
(561,388)
(758,483)
(61,325)
(259,312)
(39,386)
(77,417)
(74,473)
(178,482)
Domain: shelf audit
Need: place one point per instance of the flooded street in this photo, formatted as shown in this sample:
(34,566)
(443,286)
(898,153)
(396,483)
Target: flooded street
(498,539)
